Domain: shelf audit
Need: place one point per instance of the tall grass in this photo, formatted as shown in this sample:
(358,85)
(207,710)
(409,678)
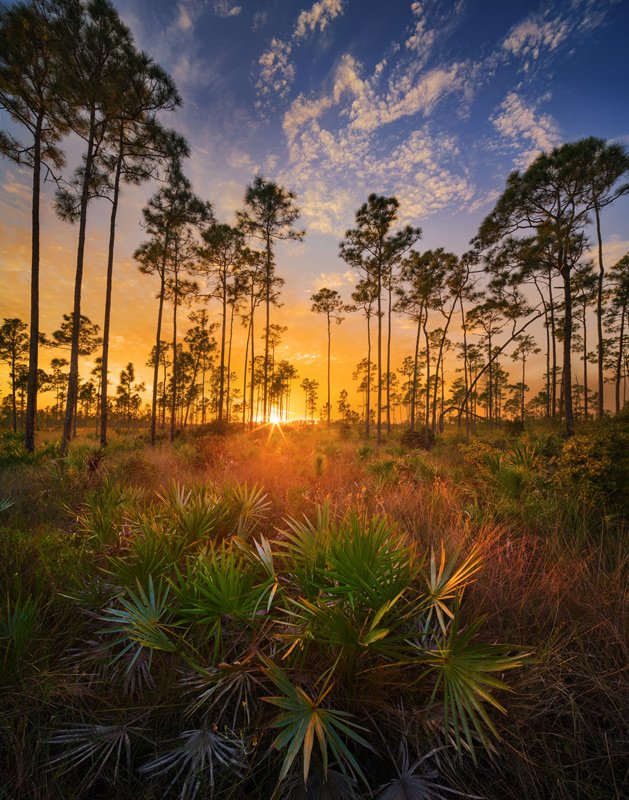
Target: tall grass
(243,617)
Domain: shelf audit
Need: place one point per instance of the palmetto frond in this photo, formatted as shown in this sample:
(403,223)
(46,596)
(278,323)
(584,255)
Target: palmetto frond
(5,503)
(227,690)
(245,508)
(195,760)
(140,622)
(19,621)
(100,751)
(305,548)
(416,780)
(465,678)
(369,562)
(193,514)
(220,588)
(304,719)
(445,582)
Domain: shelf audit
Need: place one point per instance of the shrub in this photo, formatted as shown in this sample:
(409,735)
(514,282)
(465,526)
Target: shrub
(418,440)
(598,462)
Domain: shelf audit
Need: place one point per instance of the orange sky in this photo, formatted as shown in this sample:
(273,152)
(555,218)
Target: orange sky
(135,307)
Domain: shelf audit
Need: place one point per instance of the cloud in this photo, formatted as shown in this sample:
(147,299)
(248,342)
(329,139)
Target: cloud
(260,18)
(276,70)
(526,130)
(529,37)
(334,167)
(318,16)
(184,20)
(545,32)
(332,280)
(421,39)
(225,8)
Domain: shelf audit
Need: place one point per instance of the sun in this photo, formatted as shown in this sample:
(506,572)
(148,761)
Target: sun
(274,418)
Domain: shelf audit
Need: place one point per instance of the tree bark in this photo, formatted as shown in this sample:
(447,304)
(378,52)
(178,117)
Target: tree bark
(567,347)
(73,380)
(329,342)
(157,355)
(389,288)
(379,411)
(267,328)
(415,370)
(229,364)
(368,397)
(599,316)
(33,347)
(173,406)
(108,290)
(620,356)
(221,377)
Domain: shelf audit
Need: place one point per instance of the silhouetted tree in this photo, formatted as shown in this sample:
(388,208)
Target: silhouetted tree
(97,51)
(13,350)
(31,54)
(328,301)
(605,165)
(269,215)
(374,252)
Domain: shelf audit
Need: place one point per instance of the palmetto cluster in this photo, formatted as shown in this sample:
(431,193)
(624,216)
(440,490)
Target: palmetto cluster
(298,662)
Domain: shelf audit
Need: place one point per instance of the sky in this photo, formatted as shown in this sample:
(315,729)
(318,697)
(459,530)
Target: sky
(434,102)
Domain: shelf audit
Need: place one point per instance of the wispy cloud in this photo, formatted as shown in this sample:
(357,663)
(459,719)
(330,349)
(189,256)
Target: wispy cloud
(525,128)
(558,24)
(318,16)
(277,72)
(225,8)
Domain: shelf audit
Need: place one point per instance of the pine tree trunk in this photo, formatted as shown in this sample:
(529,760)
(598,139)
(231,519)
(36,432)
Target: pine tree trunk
(158,342)
(244,383)
(73,380)
(415,370)
(620,356)
(229,364)
(389,360)
(585,365)
(13,391)
(329,344)
(253,373)
(368,398)
(221,377)
(267,329)
(427,404)
(567,347)
(554,345)
(599,316)
(379,409)
(523,385)
(173,407)
(108,290)
(33,346)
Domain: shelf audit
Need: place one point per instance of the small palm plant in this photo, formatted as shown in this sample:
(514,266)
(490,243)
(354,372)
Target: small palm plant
(245,508)
(194,515)
(99,752)
(292,646)
(195,760)
(138,624)
(304,720)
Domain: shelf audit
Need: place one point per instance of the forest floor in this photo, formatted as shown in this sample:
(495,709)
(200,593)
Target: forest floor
(164,611)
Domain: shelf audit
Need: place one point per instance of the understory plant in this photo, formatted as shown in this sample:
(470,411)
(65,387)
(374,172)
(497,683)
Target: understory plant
(271,662)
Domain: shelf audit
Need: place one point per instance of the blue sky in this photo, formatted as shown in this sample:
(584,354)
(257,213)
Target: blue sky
(432,101)
(435,102)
